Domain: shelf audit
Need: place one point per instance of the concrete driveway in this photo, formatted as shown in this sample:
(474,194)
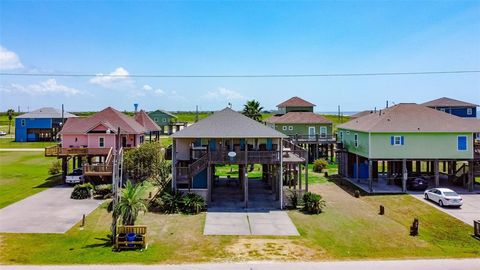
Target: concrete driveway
(50,211)
(469,211)
(249,223)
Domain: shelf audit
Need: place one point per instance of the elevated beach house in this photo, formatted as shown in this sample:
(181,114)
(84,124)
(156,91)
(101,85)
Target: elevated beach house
(453,106)
(40,125)
(407,141)
(150,126)
(296,119)
(228,137)
(166,121)
(90,141)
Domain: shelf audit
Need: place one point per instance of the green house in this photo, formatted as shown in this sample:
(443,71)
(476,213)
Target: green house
(297,120)
(407,141)
(163,119)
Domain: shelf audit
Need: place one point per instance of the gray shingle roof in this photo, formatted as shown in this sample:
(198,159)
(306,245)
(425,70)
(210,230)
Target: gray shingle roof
(46,112)
(448,102)
(228,124)
(411,117)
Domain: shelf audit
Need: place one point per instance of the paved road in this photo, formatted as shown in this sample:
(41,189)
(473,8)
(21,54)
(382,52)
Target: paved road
(50,211)
(469,211)
(22,149)
(447,264)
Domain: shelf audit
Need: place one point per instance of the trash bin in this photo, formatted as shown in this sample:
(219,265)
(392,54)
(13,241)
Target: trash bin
(130,238)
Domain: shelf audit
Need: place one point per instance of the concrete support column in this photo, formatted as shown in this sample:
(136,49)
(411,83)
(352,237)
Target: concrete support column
(404,175)
(436,172)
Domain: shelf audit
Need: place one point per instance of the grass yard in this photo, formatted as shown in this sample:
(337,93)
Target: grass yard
(23,174)
(232,170)
(10,143)
(349,228)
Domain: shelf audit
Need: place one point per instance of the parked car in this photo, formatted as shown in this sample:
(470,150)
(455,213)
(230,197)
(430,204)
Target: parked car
(75,177)
(444,197)
(417,183)
(3,133)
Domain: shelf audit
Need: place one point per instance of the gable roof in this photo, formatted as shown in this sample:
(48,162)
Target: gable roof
(362,113)
(164,112)
(295,102)
(143,119)
(109,116)
(46,112)
(448,102)
(410,117)
(299,118)
(228,123)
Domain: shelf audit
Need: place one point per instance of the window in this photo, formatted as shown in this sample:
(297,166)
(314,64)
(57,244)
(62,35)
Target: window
(142,139)
(469,111)
(397,140)
(462,143)
(323,132)
(284,127)
(348,132)
(290,127)
(442,109)
(355,139)
(22,122)
(341,136)
(101,142)
(164,120)
(155,119)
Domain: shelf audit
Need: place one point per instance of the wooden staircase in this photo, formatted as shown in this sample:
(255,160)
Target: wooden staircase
(185,174)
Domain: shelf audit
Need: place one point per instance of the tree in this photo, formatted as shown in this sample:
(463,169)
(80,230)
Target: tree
(131,204)
(252,109)
(10,113)
(147,162)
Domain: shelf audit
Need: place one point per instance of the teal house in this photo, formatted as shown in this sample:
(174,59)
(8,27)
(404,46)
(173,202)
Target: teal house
(296,119)
(408,141)
(166,121)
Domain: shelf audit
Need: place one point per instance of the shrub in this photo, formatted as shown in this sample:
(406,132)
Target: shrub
(171,202)
(313,203)
(293,197)
(103,191)
(319,165)
(55,167)
(193,203)
(82,191)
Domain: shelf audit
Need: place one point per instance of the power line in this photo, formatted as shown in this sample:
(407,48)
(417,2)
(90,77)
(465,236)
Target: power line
(244,75)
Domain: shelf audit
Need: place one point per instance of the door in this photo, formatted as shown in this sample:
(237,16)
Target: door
(311,132)
(323,132)
(124,141)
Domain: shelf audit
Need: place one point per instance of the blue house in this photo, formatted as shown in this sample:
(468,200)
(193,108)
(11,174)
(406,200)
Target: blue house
(39,125)
(453,106)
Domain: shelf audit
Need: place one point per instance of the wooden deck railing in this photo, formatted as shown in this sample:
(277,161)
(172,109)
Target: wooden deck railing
(97,169)
(56,151)
(319,138)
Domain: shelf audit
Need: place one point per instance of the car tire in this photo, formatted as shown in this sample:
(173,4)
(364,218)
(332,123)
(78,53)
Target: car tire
(426,197)
(440,203)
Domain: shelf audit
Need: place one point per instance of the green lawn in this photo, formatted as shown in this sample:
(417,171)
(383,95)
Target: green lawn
(23,174)
(10,143)
(349,228)
(232,170)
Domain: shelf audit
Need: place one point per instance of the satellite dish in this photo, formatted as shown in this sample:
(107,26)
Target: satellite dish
(232,154)
(108,131)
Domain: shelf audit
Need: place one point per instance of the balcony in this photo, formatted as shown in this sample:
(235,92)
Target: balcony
(58,151)
(97,170)
(317,138)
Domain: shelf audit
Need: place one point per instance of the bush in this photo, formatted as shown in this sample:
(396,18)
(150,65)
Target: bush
(319,165)
(55,167)
(171,202)
(293,197)
(103,191)
(193,203)
(313,203)
(82,191)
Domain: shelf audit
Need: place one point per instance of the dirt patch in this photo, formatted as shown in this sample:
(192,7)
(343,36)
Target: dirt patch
(270,249)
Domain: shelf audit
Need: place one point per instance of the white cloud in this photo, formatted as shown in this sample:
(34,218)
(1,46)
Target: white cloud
(50,86)
(223,93)
(9,59)
(119,78)
(159,92)
(147,87)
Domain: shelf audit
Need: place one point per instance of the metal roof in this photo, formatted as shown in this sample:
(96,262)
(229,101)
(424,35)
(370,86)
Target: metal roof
(46,112)
(228,124)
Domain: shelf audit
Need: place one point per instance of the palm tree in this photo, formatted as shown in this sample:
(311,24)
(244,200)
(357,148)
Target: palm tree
(10,113)
(253,110)
(131,203)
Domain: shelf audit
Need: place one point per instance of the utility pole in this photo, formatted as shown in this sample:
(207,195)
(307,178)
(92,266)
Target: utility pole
(196,115)
(115,186)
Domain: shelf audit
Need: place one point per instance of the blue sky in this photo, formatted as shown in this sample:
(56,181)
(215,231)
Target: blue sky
(205,38)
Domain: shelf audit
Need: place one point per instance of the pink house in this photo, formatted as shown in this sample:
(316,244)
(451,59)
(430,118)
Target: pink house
(90,141)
